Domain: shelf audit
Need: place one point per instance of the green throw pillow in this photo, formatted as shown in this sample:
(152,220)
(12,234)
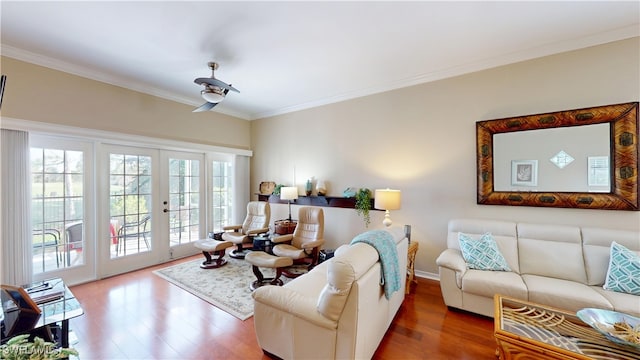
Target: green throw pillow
(483,253)
(623,274)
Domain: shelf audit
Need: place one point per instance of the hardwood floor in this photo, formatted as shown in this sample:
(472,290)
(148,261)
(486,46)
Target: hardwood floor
(141,316)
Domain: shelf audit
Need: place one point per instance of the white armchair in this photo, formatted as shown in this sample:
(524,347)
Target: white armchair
(303,246)
(256,222)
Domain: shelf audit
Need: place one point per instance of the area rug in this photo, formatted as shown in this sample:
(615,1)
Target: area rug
(226,287)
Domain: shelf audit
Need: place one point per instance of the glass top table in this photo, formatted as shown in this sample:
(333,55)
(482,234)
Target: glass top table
(528,330)
(15,321)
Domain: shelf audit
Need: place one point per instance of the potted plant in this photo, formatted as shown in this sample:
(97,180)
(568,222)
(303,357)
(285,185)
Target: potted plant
(363,205)
(277,188)
(19,348)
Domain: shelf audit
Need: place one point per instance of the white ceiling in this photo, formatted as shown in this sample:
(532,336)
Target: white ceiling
(287,56)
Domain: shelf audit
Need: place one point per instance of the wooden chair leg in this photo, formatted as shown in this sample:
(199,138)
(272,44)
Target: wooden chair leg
(210,262)
(239,252)
(258,273)
(276,280)
(261,280)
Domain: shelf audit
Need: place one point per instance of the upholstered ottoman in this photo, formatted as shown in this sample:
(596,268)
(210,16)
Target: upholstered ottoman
(260,259)
(213,247)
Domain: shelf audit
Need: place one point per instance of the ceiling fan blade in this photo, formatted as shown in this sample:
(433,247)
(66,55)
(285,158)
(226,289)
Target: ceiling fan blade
(229,87)
(215,82)
(205,107)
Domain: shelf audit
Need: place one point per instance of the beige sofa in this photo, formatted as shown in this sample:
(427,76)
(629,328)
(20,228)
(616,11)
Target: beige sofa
(561,266)
(336,311)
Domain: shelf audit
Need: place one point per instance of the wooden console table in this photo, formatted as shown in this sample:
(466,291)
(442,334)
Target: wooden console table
(411,258)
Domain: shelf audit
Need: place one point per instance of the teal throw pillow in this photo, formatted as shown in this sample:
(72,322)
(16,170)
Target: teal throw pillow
(483,253)
(623,274)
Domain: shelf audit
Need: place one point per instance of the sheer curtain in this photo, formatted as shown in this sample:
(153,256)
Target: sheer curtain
(15,203)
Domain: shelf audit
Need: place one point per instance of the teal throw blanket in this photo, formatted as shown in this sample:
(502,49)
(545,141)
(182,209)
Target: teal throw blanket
(383,242)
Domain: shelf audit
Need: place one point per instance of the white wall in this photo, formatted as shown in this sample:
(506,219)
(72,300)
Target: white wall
(421,140)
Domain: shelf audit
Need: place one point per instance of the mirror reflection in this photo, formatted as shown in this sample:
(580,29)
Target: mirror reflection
(567,159)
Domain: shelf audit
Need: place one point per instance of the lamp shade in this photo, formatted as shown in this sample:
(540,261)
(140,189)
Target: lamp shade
(212,95)
(289,193)
(387,199)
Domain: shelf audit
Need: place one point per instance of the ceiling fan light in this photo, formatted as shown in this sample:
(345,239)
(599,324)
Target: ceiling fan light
(212,95)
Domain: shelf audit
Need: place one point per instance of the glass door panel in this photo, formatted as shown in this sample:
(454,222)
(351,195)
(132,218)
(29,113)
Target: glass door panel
(57,208)
(62,208)
(184,201)
(130,204)
(130,214)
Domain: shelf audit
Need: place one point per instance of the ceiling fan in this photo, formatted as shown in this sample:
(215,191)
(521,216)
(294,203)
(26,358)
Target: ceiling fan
(214,90)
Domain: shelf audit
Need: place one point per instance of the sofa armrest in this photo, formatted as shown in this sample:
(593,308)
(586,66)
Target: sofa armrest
(257,231)
(341,249)
(294,303)
(282,238)
(232,227)
(452,259)
(313,244)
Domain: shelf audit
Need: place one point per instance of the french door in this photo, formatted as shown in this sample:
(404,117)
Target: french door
(153,212)
(183,200)
(101,207)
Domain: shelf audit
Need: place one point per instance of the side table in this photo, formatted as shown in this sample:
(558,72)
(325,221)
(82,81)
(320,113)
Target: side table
(52,324)
(262,243)
(411,258)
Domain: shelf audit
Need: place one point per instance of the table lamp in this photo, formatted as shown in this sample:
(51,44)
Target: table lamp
(387,199)
(289,193)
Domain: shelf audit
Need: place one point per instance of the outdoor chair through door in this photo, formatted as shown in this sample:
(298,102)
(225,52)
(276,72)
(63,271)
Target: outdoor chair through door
(134,230)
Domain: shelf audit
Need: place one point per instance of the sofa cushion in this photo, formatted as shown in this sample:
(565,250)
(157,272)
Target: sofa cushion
(626,303)
(597,248)
(623,274)
(482,253)
(563,294)
(503,232)
(551,250)
(488,284)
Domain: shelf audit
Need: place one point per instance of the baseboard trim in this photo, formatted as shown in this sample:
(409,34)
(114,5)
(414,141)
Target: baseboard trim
(427,275)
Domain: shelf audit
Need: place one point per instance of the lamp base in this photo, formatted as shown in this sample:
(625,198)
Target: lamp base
(387,219)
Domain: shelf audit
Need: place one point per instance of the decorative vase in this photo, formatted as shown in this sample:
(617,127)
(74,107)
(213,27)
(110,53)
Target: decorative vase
(308,188)
(321,188)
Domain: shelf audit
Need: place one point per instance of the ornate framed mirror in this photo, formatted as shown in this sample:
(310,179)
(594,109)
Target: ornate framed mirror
(619,172)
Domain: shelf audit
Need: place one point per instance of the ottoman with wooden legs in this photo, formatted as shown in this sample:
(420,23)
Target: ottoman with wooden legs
(213,247)
(259,259)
